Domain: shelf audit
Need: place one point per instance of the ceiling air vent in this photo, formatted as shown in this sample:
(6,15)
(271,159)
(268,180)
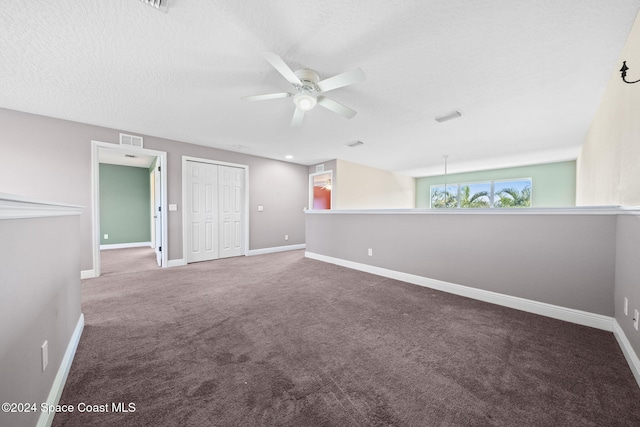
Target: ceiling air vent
(130,140)
(450,116)
(160,5)
(355,144)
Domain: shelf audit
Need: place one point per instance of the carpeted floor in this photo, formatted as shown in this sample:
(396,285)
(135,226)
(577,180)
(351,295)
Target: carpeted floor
(128,260)
(280,340)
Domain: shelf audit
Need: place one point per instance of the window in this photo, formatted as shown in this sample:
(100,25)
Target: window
(514,193)
(441,198)
(477,195)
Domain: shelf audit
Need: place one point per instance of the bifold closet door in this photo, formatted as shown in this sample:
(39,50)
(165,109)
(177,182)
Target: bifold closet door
(202,218)
(231,187)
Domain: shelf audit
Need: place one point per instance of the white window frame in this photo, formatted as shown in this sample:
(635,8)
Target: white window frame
(492,183)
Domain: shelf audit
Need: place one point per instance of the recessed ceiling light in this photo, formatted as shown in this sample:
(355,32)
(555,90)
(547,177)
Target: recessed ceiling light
(449,116)
(288,156)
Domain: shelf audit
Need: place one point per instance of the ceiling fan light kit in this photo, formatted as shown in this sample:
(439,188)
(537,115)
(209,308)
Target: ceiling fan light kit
(305,101)
(308,87)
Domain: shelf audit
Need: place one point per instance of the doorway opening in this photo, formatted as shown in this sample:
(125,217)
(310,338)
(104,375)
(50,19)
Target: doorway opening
(129,208)
(320,190)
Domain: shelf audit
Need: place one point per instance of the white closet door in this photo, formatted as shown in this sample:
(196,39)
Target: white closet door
(202,205)
(231,196)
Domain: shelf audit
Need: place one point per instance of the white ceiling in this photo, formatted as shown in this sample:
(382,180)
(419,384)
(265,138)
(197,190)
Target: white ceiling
(527,75)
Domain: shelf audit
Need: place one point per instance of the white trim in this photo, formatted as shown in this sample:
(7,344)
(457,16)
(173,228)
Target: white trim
(46,418)
(176,263)
(578,210)
(276,249)
(627,350)
(125,245)
(18,207)
(87,274)
(186,159)
(96,146)
(579,317)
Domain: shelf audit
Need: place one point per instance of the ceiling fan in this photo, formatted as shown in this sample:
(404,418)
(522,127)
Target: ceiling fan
(309,89)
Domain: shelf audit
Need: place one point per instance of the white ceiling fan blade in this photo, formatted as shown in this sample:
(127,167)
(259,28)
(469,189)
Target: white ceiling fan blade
(298,115)
(282,67)
(336,107)
(267,96)
(341,80)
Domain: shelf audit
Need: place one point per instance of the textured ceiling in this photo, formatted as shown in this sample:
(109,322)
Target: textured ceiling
(527,75)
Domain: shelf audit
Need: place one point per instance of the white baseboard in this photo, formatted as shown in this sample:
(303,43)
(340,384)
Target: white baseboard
(87,274)
(46,418)
(554,311)
(627,350)
(125,245)
(176,262)
(263,251)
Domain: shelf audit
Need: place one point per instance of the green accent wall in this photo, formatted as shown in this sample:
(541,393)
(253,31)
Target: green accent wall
(125,204)
(552,184)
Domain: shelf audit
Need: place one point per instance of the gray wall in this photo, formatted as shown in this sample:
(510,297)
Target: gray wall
(40,282)
(50,159)
(627,256)
(566,260)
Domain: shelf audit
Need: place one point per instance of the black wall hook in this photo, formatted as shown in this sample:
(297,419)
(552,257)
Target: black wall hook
(623,72)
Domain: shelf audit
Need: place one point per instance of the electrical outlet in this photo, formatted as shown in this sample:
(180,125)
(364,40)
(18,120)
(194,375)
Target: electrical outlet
(106,237)
(626,306)
(635,319)
(286,237)
(44,351)
(370,252)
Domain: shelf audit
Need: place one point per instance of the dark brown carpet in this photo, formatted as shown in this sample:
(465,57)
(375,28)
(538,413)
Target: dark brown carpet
(280,340)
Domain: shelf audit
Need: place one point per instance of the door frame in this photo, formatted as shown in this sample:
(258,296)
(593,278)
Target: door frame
(96,146)
(245,212)
(311,176)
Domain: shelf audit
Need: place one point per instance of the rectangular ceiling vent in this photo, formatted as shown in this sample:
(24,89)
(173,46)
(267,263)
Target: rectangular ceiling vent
(131,140)
(450,116)
(355,144)
(160,5)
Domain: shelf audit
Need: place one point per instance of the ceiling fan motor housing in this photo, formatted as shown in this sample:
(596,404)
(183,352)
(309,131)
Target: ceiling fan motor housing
(309,79)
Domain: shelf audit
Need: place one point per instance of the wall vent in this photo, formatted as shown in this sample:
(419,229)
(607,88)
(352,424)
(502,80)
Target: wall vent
(320,168)
(130,140)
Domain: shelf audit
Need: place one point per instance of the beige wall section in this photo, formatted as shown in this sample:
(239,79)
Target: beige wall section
(363,187)
(608,173)
(608,169)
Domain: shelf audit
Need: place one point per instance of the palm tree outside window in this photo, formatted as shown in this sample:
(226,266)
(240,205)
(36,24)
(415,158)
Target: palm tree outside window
(514,193)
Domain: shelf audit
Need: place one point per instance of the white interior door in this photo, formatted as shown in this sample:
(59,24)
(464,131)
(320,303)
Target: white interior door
(157,217)
(231,196)
(202,205)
